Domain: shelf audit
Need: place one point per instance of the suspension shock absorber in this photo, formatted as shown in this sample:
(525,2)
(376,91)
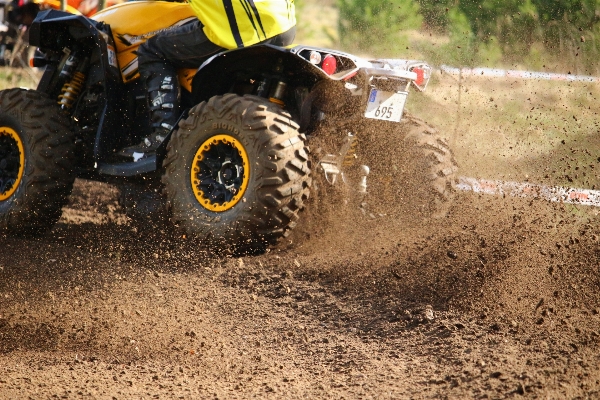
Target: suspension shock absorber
(272,89)
(72,87)
(350,157)
(277,93)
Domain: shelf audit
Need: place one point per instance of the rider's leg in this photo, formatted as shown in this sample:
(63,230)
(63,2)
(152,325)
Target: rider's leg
(158,60)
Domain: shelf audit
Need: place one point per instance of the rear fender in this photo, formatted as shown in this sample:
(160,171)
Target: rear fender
(214,77)
(413,72)
(302,66)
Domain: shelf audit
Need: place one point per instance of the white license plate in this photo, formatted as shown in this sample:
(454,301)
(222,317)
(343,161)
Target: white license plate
(387,106)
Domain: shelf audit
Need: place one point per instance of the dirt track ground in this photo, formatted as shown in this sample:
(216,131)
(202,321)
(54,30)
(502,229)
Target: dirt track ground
(498,300)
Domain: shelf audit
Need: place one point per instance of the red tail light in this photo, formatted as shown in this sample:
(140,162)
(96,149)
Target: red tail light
(420,76)
(329,64)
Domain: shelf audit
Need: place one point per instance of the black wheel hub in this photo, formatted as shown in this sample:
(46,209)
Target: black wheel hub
(221,173)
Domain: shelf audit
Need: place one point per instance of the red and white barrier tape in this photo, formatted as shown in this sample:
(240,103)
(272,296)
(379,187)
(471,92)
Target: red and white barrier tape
(502,73)
(525,189)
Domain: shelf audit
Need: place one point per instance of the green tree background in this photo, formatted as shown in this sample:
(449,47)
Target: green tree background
(542,34)
(377,25)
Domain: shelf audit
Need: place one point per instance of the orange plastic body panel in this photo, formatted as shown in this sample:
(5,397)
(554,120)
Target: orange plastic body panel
(84,7)
(135,22)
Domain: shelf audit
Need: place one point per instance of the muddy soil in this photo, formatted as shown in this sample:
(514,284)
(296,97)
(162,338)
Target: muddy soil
(500,299)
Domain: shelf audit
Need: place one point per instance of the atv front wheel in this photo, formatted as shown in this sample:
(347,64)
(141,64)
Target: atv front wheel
(36,162)
(236,173)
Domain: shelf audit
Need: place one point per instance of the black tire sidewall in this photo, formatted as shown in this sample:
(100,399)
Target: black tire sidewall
(7,120)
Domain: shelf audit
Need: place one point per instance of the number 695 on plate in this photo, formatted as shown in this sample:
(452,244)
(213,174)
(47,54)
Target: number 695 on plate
(387,106)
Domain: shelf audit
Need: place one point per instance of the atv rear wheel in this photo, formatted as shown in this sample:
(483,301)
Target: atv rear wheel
(236,173)
(36,162)
(413,170)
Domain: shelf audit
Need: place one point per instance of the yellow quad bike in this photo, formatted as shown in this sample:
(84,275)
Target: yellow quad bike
(236,170)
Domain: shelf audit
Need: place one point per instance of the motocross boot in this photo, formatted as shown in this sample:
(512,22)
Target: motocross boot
(163,99)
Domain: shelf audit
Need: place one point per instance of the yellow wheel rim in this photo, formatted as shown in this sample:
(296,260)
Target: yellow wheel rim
(220,173)
(12,162)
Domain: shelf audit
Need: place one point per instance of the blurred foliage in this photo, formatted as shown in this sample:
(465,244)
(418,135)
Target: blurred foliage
(376,26)
(555,34)
(317,23)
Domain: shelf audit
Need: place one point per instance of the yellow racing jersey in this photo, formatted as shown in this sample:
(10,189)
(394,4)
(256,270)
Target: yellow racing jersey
(239,23)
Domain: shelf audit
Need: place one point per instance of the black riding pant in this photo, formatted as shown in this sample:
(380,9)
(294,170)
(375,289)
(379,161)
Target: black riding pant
(161,56)
(186,47)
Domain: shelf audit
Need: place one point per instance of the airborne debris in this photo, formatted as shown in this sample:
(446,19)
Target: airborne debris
(429,315)
(540,303)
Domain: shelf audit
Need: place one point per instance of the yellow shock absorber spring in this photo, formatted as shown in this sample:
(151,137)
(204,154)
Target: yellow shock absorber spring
(70,90)
(351,154)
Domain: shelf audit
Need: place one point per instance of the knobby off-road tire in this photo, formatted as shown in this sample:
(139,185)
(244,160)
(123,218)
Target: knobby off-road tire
(413,171)
(36,162)
(257,146)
